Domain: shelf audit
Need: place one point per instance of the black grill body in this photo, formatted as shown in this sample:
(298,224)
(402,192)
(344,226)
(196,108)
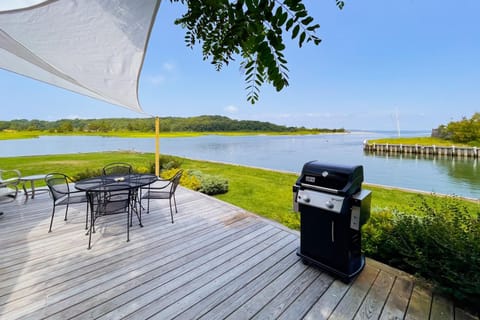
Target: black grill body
(332,207)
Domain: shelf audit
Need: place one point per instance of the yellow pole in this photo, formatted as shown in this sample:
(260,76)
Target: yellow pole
(157,146)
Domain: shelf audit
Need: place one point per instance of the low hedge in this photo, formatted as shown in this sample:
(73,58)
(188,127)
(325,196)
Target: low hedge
(198,181)
(439,241)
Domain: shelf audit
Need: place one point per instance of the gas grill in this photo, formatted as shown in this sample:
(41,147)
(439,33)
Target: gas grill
(332,207)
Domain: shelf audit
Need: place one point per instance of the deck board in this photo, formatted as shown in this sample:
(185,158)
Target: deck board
(216,261)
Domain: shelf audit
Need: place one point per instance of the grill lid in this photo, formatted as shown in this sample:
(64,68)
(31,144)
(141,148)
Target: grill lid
(337,179)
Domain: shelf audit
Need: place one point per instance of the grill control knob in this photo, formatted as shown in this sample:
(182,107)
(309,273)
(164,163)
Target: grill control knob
(306,199)
(329,204)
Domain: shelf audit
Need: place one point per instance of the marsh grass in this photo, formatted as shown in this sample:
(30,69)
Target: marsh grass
(421,141)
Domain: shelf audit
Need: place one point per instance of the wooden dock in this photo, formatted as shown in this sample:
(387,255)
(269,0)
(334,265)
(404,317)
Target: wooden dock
(407,149)
(216,261)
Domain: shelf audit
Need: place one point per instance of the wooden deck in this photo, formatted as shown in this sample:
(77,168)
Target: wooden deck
(215,262)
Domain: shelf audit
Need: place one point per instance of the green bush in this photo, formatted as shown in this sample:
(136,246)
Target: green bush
(210,184)
(440,241)
(88,173)
(167,163)
(187,180)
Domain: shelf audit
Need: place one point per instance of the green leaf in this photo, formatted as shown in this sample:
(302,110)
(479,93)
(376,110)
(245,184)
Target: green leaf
(295,31)
(282,19)
(289,24)
(300,14)
(302,39)
(307,20)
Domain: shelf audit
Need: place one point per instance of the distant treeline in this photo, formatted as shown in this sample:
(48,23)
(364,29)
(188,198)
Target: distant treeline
(463,131)
(167,124)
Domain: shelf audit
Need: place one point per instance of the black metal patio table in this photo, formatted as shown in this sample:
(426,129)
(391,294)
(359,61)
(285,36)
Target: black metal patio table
(112,194)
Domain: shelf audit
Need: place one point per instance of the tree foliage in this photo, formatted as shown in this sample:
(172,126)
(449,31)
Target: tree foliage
(463,131)
(168,124)
(253,30)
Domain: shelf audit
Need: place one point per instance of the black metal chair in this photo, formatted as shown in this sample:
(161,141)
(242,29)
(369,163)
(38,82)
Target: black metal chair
(61,194)
(119,201)
(165,191)
(117,168)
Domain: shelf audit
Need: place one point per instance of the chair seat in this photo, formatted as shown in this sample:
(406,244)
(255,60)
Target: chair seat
(74,197)
(59,186)
(5,192)
(156,194)
(115,202)
(163,189)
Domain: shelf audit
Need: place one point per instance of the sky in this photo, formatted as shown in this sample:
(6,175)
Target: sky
(381,65)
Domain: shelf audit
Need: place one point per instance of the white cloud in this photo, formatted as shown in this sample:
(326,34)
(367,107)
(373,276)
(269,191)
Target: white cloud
(156,79)
(73,117)
(231,109)
(168,66)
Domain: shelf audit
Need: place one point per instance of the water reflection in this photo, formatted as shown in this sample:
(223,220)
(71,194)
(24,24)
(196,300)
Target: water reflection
(461,172)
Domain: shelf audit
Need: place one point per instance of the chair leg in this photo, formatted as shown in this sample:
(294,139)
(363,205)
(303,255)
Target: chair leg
(66,211)
(92,226)
(171,211)
(129,221)
(175,202)
(86,217)
(51,220)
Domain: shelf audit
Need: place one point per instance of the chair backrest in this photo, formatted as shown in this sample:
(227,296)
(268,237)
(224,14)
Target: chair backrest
(117,168)
(9,177)
(176,181)
(57,183)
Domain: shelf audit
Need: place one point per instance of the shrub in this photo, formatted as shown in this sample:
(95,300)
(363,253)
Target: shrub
(209,184)
(167,163)
(439,242)
(187,180)
(88,173)
(141,169)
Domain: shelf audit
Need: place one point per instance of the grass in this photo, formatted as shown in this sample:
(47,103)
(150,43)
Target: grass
(264,192)
(422,141)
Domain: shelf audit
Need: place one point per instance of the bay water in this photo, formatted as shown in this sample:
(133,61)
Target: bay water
(445,175)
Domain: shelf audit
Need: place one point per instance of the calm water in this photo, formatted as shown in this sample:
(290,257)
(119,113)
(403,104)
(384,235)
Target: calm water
(289,153)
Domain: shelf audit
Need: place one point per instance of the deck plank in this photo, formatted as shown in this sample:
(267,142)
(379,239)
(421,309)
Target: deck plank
(304,301)
(251,275)
(420,304)
(264,296)
(351,301)
(216,261)
(372,306)
(397,302)
(442,309)
(288,295)
(324,307)
(241,296)
(166,294)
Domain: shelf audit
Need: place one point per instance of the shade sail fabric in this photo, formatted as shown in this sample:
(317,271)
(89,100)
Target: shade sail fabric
(92,47)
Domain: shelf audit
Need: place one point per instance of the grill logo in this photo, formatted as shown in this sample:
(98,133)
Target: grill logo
(310,179)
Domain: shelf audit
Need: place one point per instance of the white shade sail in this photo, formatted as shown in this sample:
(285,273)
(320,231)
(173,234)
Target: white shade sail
(92,47)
